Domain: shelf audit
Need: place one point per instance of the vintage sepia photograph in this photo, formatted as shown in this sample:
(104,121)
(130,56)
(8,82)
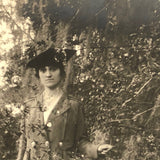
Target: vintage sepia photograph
(80,80)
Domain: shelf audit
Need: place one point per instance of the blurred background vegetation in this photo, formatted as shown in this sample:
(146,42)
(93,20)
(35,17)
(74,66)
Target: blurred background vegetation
(115,73)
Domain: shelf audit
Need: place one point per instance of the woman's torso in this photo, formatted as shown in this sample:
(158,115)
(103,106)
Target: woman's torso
(55,138)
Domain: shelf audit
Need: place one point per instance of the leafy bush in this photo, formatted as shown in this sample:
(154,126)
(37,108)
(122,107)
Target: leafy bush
(115,71)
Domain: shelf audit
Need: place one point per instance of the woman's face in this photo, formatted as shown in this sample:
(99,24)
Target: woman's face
(50,76)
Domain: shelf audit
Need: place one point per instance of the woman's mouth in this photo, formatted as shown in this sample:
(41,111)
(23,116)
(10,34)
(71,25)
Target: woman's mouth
(49,79)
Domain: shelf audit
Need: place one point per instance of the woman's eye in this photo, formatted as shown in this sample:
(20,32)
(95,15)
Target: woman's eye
(42,69)
(53,68)
(49,68)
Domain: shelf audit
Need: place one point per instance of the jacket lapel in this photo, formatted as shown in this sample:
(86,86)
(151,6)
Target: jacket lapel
(39,102)
(61,107)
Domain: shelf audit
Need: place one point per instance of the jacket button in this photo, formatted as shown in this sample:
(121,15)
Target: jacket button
(82,155)
(60,144)
(58,112)
(33,144)
(49,124)
(47,143)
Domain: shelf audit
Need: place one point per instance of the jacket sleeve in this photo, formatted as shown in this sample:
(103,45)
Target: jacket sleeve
(22,139)
(88,149)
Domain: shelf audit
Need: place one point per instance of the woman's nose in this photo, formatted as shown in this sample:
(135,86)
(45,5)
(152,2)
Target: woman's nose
(48,73)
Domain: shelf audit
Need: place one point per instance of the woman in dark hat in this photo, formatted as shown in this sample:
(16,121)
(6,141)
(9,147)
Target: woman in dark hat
(53,126)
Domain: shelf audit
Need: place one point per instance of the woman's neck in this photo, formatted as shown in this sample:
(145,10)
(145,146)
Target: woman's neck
(50,92)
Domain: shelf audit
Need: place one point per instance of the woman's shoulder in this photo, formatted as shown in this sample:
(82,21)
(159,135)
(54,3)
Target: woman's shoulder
(74,103)
(33,98)
(30,103)
(73,100)
(29,100)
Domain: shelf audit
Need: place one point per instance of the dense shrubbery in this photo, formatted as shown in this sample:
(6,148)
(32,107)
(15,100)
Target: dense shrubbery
(115,72)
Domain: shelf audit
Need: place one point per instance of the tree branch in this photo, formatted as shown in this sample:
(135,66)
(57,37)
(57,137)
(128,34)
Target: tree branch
(139,114)
(138,92)
(74,15)
(16,23)
(133,118)
(105,7)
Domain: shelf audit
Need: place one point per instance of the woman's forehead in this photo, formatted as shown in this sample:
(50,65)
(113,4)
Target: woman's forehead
(49,66)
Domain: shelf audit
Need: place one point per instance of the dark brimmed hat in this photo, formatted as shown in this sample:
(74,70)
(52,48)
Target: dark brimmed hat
(51,56)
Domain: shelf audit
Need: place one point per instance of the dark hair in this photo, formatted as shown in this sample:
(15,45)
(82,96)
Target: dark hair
(57,65)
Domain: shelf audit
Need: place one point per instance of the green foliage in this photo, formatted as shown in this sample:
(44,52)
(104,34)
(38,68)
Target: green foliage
(9,135)
(118,90)
(115,72)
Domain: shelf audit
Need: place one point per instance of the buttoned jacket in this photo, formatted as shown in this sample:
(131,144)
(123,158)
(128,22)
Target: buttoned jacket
(60,138)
